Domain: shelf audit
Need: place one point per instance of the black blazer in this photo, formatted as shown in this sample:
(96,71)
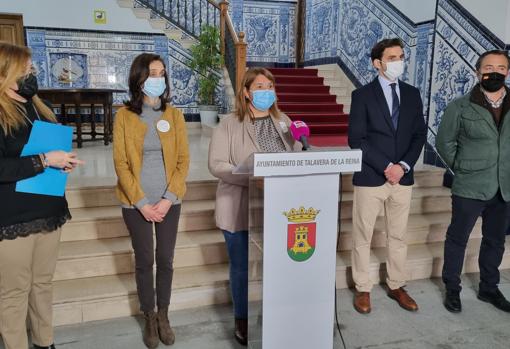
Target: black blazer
(371,130)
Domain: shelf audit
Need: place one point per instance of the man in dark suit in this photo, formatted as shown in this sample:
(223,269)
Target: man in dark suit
(386,122)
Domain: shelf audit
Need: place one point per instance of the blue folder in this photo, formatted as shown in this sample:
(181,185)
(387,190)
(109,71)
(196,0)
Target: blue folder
(46,137)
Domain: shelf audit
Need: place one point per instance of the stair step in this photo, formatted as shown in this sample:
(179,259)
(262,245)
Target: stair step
(293,71)
(421,229)
(126,3)
(91,258)
(424,261)
(173,34)
(105,196)
(158,23)
(328,128)
(107,297)
(302,80)
(305,97)
(327,141)
(301,88)
(142,12)
(319,117)
(311,107)
(106,222)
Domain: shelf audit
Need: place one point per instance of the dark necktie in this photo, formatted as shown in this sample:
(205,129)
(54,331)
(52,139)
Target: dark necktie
(395,105)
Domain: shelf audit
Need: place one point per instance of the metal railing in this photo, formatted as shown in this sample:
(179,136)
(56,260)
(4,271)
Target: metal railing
(188,15)
(437,153)
(191,15)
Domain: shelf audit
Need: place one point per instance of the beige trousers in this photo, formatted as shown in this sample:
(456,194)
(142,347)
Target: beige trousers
(368,202)
(27,265)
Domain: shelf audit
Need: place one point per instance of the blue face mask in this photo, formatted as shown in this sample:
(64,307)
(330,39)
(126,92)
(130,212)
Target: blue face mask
(154,87)
(263,99)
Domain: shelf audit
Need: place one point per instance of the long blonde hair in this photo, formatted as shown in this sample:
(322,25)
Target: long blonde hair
(13,65)
(243,103)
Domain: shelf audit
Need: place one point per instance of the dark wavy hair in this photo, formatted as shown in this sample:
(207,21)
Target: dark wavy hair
(138,73)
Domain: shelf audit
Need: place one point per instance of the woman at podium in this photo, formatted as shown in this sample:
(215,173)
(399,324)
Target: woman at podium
(256,126)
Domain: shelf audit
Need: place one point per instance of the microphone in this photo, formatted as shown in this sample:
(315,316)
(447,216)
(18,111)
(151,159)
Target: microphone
(300,131)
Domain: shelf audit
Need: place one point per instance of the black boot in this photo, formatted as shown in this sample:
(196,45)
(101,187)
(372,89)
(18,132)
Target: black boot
(48,347)
(241,331)
(452,301)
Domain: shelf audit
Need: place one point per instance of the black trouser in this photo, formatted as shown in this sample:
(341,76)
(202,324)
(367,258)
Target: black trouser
(495,219)
(143,244)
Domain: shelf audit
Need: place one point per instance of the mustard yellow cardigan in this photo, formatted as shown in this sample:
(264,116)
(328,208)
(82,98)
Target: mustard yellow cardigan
(128,138)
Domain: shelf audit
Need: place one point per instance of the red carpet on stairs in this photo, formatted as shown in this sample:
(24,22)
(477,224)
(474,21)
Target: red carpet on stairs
(303,96)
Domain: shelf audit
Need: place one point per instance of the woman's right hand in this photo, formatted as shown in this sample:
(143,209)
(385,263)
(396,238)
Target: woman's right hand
(150,214)
(62,159)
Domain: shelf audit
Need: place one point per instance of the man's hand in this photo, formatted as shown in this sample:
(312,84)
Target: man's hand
(394,174)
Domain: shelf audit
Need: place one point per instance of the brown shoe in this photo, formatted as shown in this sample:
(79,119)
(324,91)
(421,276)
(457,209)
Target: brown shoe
(403,299)
(362,302)
(150,332)
(166,334)
(241,331)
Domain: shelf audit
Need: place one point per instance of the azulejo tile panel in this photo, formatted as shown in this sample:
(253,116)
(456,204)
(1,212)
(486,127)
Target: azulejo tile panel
(348,29)
(269,27)
(459,40)
(72,58)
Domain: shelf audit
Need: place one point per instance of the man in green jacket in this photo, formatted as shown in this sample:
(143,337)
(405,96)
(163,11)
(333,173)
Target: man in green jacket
(474,140)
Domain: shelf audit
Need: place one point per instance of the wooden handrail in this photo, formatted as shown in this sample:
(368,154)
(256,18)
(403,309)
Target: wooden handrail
(240,59)
(240,46)
(212,2)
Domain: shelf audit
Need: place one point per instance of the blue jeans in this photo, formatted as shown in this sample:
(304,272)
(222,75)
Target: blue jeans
(237,247)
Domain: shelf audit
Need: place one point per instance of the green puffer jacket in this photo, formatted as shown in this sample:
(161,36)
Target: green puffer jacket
(471,144)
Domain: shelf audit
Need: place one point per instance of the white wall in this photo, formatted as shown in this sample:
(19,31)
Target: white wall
(507,34)
(417,10)
(76,14)
(494,14)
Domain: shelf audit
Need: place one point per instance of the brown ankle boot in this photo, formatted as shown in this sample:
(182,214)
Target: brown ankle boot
(166,334)
(150,332)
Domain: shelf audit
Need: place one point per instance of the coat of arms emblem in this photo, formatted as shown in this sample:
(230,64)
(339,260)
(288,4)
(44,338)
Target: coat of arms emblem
(301,233)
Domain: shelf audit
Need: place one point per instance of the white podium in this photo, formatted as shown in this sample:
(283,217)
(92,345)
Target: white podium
(293,232)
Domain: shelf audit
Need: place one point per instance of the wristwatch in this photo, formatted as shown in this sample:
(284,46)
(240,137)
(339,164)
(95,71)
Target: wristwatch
(403,167)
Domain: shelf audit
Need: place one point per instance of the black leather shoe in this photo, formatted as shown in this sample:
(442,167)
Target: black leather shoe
(241,331)
(495,298)
(49,347)
(452,301)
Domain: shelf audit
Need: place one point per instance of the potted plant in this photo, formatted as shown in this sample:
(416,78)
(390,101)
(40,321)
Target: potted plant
(207,61)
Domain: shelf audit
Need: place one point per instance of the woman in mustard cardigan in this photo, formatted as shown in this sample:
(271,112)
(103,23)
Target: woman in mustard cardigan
(151,157)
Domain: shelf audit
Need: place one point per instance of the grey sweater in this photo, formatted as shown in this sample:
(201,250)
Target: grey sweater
(153,176)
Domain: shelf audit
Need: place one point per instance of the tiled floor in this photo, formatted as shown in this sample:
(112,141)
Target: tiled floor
(479,326)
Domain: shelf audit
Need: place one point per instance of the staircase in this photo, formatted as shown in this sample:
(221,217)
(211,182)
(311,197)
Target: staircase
(95,280)
(303,95)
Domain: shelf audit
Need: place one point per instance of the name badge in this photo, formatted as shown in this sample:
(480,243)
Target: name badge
(163,126)
(284,127)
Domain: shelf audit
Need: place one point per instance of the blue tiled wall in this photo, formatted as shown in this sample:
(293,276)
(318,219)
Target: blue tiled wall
(459,39)
(103,59)
(269,27)
(344,32)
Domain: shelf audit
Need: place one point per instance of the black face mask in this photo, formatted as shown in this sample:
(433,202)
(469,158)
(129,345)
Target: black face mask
(492,82)
(27,88)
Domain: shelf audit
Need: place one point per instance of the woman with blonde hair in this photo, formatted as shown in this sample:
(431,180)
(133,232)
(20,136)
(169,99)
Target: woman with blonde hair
(151,157)
(256,126)
(29,224)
